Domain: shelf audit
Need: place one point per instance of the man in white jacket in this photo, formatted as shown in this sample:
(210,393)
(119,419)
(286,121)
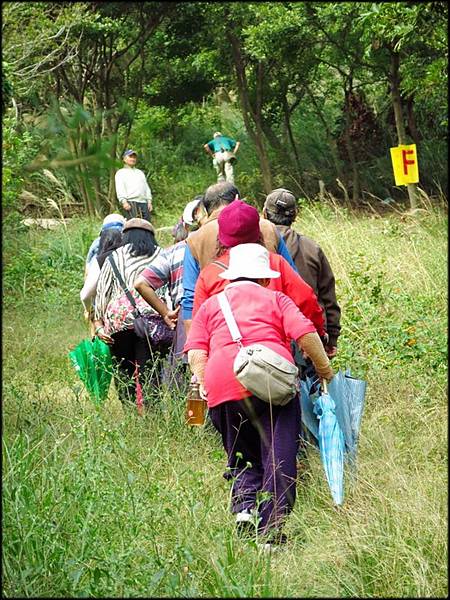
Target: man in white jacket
(132,189)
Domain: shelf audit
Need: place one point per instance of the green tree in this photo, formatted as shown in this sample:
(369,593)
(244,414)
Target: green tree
(96,74)
(407,42)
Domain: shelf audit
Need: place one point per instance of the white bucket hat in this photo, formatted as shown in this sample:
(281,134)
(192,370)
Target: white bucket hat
(188,213)
(249,260)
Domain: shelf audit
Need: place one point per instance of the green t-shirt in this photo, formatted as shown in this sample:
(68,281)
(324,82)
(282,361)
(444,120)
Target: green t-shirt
(221,143)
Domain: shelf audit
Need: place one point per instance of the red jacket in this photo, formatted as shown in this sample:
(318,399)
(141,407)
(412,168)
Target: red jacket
(289,282)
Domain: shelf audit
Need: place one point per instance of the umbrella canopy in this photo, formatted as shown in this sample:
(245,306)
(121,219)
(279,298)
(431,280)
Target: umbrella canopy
(93,363)
(331,444)
(349,394)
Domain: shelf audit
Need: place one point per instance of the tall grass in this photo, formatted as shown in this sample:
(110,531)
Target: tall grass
(105,503)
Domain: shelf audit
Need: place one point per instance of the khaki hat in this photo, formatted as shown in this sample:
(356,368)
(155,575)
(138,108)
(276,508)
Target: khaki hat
(281,201)
(137,223)
(249,260)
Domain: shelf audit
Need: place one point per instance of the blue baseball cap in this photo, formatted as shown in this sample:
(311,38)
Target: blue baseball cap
(113,221)
(129,153)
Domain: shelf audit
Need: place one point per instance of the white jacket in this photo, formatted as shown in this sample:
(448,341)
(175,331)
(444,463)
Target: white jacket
(131,185)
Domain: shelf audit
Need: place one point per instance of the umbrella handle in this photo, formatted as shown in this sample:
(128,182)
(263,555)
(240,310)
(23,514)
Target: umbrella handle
(324,386)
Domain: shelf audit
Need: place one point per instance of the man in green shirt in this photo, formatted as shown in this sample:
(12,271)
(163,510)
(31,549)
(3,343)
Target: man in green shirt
(223,151)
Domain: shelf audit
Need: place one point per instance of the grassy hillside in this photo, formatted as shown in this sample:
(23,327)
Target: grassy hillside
(104,503)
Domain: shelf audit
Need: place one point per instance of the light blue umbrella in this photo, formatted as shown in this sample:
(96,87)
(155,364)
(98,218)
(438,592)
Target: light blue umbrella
(331,443)
(348,394)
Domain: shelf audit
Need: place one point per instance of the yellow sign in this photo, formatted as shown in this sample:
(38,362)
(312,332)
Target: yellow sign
(405,165)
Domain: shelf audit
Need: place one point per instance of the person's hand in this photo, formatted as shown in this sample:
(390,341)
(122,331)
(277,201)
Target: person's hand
(150,206)
(331,351)
(100,333)
(328,375)
(86,315)
(126,205)
(203,393)
(171,317)
(187,325)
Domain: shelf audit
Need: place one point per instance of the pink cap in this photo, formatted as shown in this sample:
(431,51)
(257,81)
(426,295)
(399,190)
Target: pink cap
(238,224)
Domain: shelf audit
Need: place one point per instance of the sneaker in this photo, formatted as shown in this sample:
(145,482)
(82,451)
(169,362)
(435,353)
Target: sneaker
(245,523)
(274,543)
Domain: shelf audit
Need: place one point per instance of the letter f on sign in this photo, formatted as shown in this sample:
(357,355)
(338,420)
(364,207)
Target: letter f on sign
(407,162)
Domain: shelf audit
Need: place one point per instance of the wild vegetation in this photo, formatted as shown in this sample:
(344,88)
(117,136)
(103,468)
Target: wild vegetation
(104,503)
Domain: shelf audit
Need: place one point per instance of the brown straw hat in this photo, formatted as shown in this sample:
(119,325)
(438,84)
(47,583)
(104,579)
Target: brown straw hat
(137,223)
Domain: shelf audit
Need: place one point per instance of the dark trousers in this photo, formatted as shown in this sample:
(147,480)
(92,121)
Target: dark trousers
(138,209)
(128,350)
(267,437)
(176,371)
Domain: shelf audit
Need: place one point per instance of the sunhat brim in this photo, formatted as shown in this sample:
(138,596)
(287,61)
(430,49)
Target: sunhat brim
(255,274)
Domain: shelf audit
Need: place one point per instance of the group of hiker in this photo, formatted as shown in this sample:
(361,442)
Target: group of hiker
(280,289)
(134,193)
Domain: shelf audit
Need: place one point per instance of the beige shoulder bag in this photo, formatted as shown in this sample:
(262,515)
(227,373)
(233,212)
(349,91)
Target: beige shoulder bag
(261,370)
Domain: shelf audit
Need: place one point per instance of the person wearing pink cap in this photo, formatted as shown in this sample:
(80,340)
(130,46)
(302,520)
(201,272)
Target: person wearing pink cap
(202,244)
(261,440)
(239,224)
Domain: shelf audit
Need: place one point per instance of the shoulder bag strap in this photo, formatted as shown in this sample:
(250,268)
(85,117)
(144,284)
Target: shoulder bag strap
(229,318)
(122,282)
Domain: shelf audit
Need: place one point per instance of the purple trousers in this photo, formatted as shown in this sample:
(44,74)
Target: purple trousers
(261,442)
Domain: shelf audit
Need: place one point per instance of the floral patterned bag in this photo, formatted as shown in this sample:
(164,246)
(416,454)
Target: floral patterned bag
(131,311)
(120,313)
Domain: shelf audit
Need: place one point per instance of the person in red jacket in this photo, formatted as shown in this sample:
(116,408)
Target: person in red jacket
(239,224)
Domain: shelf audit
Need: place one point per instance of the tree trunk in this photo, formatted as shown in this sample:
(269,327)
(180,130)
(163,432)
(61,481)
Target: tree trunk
(412,120)
(331,140)
(256,133)
(73,145)
(287,124)
(275,143)
(356,184)
(394,80)
(83,169)
(262,155)
(112,200)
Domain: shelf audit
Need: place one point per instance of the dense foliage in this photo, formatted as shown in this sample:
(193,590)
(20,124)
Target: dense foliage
(313,91)
(104,503)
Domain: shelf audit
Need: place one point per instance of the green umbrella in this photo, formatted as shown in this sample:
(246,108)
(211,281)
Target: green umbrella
(93,363)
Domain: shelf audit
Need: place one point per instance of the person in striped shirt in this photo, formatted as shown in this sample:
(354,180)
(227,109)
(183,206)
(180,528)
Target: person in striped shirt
(167,269)
(136,360)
